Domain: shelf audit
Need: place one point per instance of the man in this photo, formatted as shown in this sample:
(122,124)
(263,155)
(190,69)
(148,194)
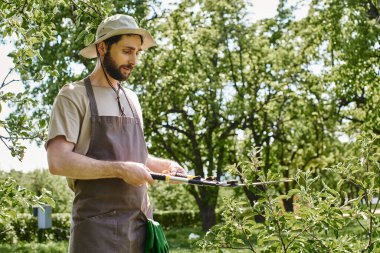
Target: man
(96,141)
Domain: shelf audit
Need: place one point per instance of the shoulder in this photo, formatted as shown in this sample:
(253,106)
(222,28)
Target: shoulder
(72,95)
(131,93)
(133,96)
(73,90)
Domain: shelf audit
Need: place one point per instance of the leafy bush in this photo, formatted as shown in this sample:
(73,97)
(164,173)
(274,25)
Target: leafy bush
(61,226)
(25,228)
(14,197)
(322,215)
(167,197)
(177,218)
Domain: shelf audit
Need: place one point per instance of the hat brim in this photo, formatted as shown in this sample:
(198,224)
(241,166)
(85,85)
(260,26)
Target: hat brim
(148,41)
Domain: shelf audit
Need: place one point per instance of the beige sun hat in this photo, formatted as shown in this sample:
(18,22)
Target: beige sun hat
(116,25)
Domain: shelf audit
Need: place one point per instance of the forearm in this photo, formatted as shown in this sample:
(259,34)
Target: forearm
(64,162)
(73,165)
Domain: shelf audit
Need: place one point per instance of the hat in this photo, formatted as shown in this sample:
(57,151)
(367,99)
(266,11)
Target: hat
(117,25)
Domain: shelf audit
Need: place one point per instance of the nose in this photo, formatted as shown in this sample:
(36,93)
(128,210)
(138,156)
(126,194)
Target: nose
(133,59)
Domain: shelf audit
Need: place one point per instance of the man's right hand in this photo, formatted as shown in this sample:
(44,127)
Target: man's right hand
(135,174)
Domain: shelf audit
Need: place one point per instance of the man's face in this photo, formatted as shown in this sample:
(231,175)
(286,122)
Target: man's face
(122,57)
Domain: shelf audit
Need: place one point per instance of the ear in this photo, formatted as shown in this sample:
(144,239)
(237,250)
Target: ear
(102,48)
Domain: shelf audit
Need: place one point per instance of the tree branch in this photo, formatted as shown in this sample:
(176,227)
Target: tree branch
(3,83)
(83,11)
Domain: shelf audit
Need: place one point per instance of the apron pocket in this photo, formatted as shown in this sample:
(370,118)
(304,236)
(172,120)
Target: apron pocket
(97,234)
(131,231)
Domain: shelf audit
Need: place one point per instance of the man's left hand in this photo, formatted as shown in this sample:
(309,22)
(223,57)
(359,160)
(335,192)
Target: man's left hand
(174,168)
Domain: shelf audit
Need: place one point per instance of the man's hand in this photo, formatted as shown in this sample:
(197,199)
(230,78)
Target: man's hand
(173,169)
(164,166)
(135,174)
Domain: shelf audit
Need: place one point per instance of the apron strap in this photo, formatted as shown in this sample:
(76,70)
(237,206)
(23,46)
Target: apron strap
(133,108)
(91,97)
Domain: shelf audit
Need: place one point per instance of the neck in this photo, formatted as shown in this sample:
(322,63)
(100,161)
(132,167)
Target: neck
(98,77)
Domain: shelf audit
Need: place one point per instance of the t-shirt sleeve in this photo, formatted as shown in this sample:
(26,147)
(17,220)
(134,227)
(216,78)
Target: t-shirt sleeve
(65,120)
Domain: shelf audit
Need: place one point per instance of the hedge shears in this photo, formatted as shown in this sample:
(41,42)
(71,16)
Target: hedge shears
(209,181)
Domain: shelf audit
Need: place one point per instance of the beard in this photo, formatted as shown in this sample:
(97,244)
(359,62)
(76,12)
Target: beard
(116,71)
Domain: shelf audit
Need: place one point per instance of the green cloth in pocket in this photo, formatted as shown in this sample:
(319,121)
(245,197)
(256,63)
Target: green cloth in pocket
(155,238)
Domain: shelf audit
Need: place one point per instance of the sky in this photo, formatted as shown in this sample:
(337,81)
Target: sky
(35,157)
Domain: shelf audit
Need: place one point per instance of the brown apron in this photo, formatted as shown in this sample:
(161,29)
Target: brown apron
(108,214)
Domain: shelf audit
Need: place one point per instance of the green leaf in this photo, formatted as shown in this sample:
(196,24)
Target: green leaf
(88,39)
(80,35)
(42,123)
(293,192)
(77,22)
(370,248)
(29,52)
(34,40)
(39,56)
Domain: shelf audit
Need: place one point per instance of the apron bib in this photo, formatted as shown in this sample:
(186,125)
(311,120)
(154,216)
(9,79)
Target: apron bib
(108,214)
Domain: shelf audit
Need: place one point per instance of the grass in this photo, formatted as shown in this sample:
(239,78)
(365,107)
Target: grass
(33,247)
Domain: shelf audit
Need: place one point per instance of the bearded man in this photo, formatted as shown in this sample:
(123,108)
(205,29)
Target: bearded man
(96,141)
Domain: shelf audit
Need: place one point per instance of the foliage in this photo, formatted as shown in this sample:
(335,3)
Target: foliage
(13,197)
(361,172)
(177,218)
(167,197)
(37,180)
(322,213)
(25,229)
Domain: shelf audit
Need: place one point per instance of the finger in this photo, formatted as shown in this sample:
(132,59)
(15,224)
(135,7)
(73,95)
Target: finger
(174,165)
(146,168)
(149,179)
(182,170)
(173,171)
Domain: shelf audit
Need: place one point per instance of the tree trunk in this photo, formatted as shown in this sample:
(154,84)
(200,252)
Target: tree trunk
(206,198)
(208,216)
(288,204)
